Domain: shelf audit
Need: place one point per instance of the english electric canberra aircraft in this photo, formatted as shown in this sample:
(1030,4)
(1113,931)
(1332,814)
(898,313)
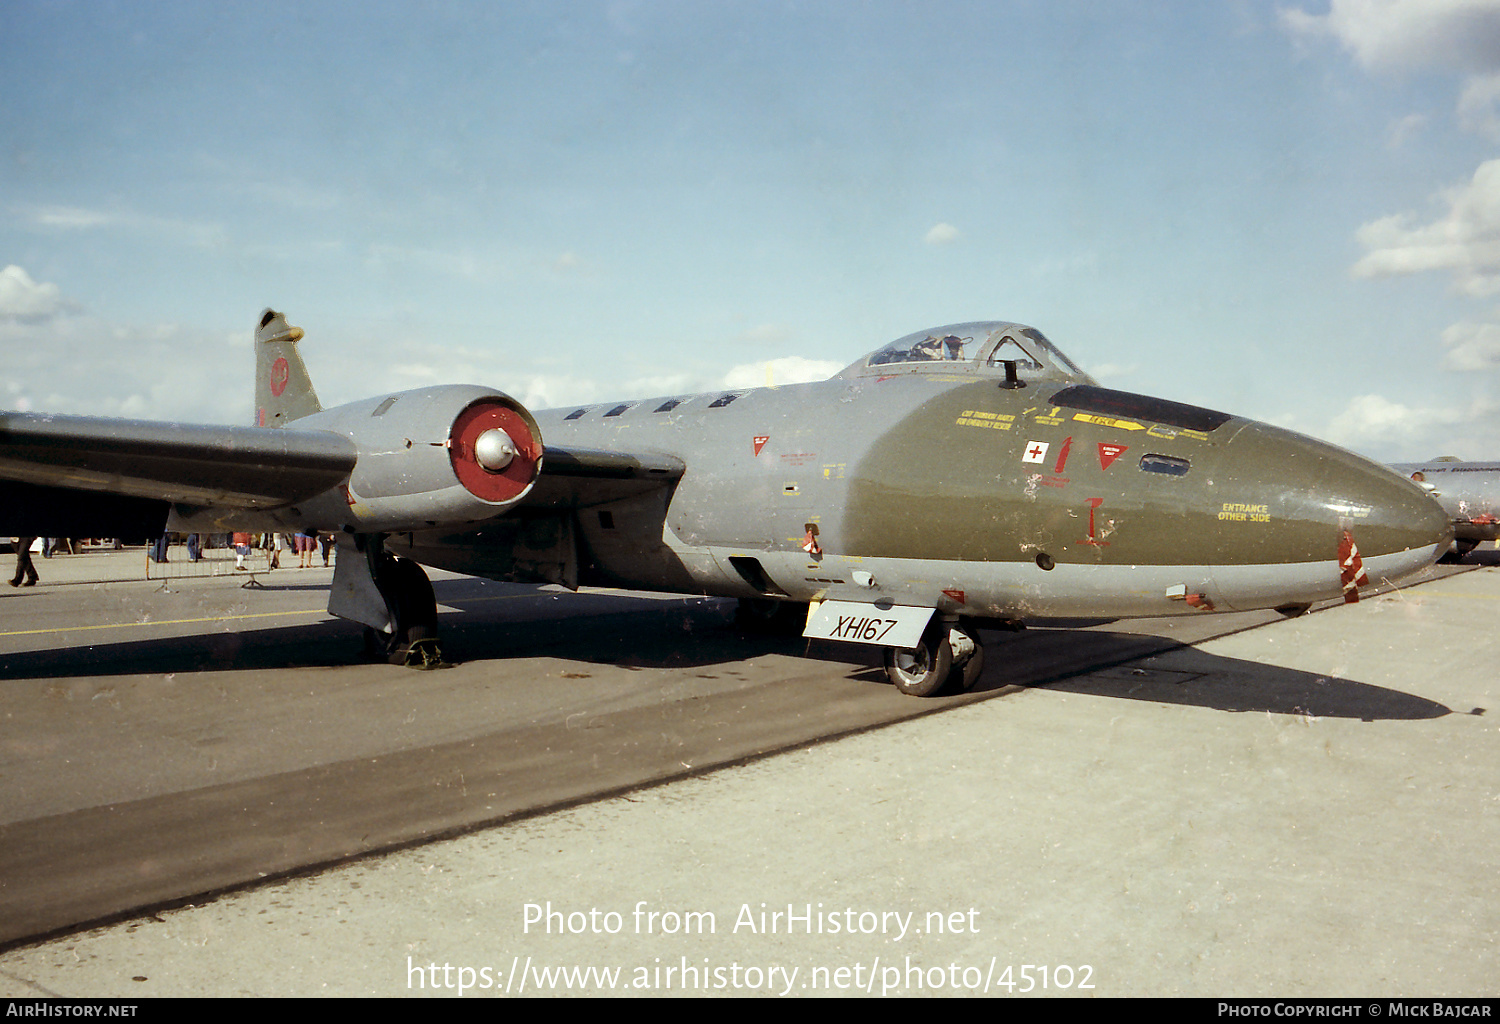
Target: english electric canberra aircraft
(968,476)
(1468,491)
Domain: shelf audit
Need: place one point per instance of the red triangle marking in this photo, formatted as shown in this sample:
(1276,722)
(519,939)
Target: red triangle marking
(1108,453)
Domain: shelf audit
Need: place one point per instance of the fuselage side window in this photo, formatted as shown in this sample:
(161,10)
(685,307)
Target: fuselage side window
(1167,465)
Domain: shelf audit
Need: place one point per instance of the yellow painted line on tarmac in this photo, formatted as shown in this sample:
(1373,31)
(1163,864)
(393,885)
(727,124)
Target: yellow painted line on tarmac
(268,615)
(162,622)
(455,602)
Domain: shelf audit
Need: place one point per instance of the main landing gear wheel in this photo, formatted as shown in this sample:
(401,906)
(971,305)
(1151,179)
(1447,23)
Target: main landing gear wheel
(947,660)
(408,594)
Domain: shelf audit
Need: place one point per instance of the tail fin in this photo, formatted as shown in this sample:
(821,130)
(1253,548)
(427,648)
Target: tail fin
(283,391)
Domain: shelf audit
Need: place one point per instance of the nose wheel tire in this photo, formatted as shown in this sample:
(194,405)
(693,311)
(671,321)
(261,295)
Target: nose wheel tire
(921,671)
(969,671)
(934,667)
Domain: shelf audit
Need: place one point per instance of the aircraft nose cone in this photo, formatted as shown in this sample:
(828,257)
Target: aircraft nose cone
(1403,519)
(1286,500)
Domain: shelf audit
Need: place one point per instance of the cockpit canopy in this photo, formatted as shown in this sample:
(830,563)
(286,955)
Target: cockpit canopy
(981,348)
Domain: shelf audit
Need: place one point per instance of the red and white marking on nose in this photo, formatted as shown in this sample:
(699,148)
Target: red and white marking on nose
(1351,568)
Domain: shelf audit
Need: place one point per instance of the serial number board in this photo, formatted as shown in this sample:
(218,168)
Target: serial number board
(893,626)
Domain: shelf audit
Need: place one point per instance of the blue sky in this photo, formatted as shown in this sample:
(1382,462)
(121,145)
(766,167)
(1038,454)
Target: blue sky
(1286,211)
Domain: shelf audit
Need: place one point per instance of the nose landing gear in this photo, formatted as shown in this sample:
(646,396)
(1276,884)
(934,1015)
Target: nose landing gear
(949,659)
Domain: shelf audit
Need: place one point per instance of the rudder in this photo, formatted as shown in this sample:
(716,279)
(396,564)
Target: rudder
(283,390)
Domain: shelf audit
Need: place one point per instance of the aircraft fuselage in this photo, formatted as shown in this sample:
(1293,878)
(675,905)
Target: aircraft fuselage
(952,492)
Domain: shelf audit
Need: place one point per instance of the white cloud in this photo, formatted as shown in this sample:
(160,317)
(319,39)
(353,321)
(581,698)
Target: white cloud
(543,391)
(81,365)
(203,234)
(1394,432)
(941,234)
(1401,34)
(1375,416)
(551,391)
(1465,241)
(465,266)
(653,385)
(23,299)
(767,334)
(1405,129)
(485,265)
(70,217)
(787,370)
(1111,371)
(1472,347)
(1462,35)
(1477,107)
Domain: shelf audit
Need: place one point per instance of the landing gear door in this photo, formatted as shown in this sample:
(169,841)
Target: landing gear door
(883,624)
(354,595)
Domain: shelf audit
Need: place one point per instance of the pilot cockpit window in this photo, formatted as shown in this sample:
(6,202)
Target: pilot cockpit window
(930,348)
(1053,352)
(981,347)
(1010,349)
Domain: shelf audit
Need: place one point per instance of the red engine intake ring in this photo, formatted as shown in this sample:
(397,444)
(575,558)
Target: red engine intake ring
(509,483)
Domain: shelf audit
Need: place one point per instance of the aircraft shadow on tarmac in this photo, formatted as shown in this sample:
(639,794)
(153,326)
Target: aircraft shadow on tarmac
(1229,684)
(619,629)
(1484,557)
(1129,666)
(630,631)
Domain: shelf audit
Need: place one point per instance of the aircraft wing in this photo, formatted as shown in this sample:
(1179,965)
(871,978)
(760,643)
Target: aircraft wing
(256,467)
(223,467)
(580,477)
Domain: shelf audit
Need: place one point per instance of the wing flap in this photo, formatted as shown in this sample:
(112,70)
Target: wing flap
(227,467)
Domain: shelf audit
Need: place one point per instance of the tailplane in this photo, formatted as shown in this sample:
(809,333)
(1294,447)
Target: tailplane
(283,390)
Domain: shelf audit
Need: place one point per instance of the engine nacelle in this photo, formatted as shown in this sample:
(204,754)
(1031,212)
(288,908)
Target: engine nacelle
(436,456)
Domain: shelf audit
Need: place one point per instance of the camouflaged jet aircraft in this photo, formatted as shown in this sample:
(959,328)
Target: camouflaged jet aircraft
(1468,491)
(957,478)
